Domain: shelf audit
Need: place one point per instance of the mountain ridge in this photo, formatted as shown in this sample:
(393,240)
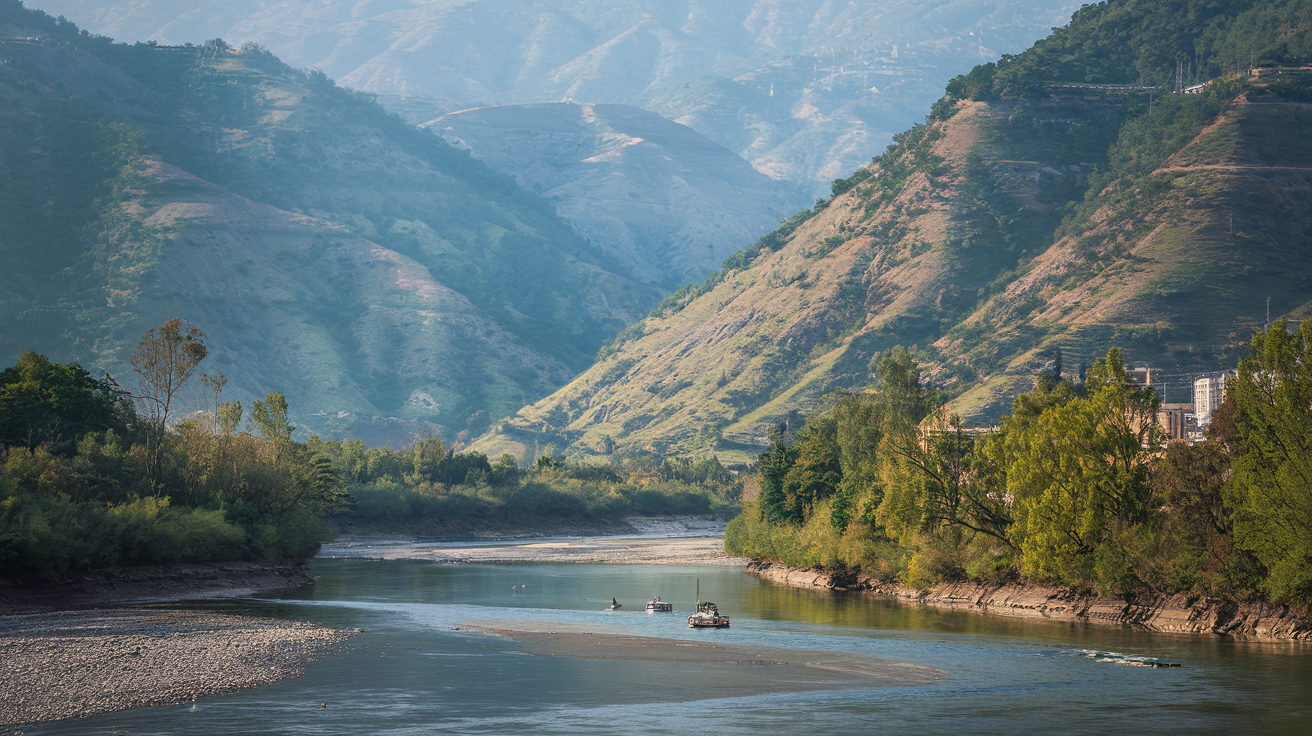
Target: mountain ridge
(97,137)
(667,202)
(805,90)
(974,240)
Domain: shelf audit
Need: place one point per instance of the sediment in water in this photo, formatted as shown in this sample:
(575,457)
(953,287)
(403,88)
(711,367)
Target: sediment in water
(1186,614)
(709,668)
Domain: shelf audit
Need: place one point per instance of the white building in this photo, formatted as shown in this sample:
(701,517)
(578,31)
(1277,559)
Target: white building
(1208,393)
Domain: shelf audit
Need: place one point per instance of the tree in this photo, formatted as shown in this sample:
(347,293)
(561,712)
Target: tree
(816,472)
(1271,490)
(1077,468)
(774,465)
(270,419)
(428,454)
(44,403)
(961,483)
(164,361)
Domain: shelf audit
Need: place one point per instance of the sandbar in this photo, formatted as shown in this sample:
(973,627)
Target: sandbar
(713,669)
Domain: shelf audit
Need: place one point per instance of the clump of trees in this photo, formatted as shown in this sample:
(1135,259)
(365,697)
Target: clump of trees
(426,488)
(94,475)
(1076,486)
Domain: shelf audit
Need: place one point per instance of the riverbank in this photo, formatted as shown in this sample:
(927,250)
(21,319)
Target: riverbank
(1182,614)
(656,541)
(81,663)
(153,583)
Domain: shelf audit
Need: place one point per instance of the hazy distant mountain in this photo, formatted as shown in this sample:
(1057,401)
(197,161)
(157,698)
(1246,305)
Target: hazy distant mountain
(386,281)
(662,199)
(806,90)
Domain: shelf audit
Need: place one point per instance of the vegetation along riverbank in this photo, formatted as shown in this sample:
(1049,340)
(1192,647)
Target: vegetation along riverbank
(1074,493)
(93,475)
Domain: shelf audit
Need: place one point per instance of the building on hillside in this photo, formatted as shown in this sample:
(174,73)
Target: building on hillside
(1209,391)
(1177,421)
(1143,376)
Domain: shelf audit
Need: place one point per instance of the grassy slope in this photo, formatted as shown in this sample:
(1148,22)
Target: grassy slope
(964,265)
(854,279)
(288,298)
(1221,229)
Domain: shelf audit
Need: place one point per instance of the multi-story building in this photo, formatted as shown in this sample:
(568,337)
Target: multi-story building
(1209,391)
(1177,421)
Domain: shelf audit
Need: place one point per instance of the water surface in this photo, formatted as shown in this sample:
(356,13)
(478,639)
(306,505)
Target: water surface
(412,673)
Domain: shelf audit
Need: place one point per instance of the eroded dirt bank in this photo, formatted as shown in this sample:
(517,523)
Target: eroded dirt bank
(1176,614)
(116,585)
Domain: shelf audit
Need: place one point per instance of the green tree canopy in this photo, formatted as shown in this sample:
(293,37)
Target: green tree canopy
(1271,490)
(43,403)
(1078,468)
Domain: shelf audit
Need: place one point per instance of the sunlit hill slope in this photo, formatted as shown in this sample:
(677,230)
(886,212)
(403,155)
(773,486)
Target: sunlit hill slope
(1068,198)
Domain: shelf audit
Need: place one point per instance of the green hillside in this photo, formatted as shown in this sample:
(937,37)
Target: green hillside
(1066,198)
(387,282)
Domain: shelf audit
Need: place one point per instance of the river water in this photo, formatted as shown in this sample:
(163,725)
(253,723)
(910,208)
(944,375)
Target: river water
(411,672)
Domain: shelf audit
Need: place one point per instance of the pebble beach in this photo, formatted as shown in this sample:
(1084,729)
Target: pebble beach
(82,663)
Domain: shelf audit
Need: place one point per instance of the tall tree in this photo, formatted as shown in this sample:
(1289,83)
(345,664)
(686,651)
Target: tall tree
(164,360)
(1077,469)
(270,417)
(1271,490)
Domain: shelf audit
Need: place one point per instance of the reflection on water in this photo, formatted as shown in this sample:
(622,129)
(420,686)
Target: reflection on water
(411,673)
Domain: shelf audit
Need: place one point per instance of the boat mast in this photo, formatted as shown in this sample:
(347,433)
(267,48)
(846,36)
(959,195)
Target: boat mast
(699,594)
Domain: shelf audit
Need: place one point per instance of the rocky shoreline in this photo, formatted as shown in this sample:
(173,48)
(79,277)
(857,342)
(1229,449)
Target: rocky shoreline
(64,655)
(82,663)
(1184,614)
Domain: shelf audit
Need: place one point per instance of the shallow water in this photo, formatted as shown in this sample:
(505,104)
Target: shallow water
(411,673)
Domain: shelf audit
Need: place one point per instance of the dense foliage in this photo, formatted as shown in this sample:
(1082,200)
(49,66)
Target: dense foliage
(1074,488)
(92,475)
(425,488)
(1144,43)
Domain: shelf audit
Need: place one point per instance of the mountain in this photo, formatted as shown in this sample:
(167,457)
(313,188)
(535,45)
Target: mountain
(806,90)
(1058,202)
(387,282)
(664,201)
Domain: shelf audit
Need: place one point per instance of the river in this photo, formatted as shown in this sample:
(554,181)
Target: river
(417,670)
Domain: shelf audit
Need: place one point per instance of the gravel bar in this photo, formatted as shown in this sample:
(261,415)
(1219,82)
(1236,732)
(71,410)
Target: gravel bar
(83,663)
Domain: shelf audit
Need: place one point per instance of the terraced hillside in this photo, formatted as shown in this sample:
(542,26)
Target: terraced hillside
(1063,199)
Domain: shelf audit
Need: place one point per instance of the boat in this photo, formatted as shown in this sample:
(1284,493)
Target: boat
(707,615)
(614,605)
(659,606)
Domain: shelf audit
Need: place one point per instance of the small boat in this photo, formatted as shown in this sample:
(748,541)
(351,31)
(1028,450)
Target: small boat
(659,606)
(614,605)
(707,615)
